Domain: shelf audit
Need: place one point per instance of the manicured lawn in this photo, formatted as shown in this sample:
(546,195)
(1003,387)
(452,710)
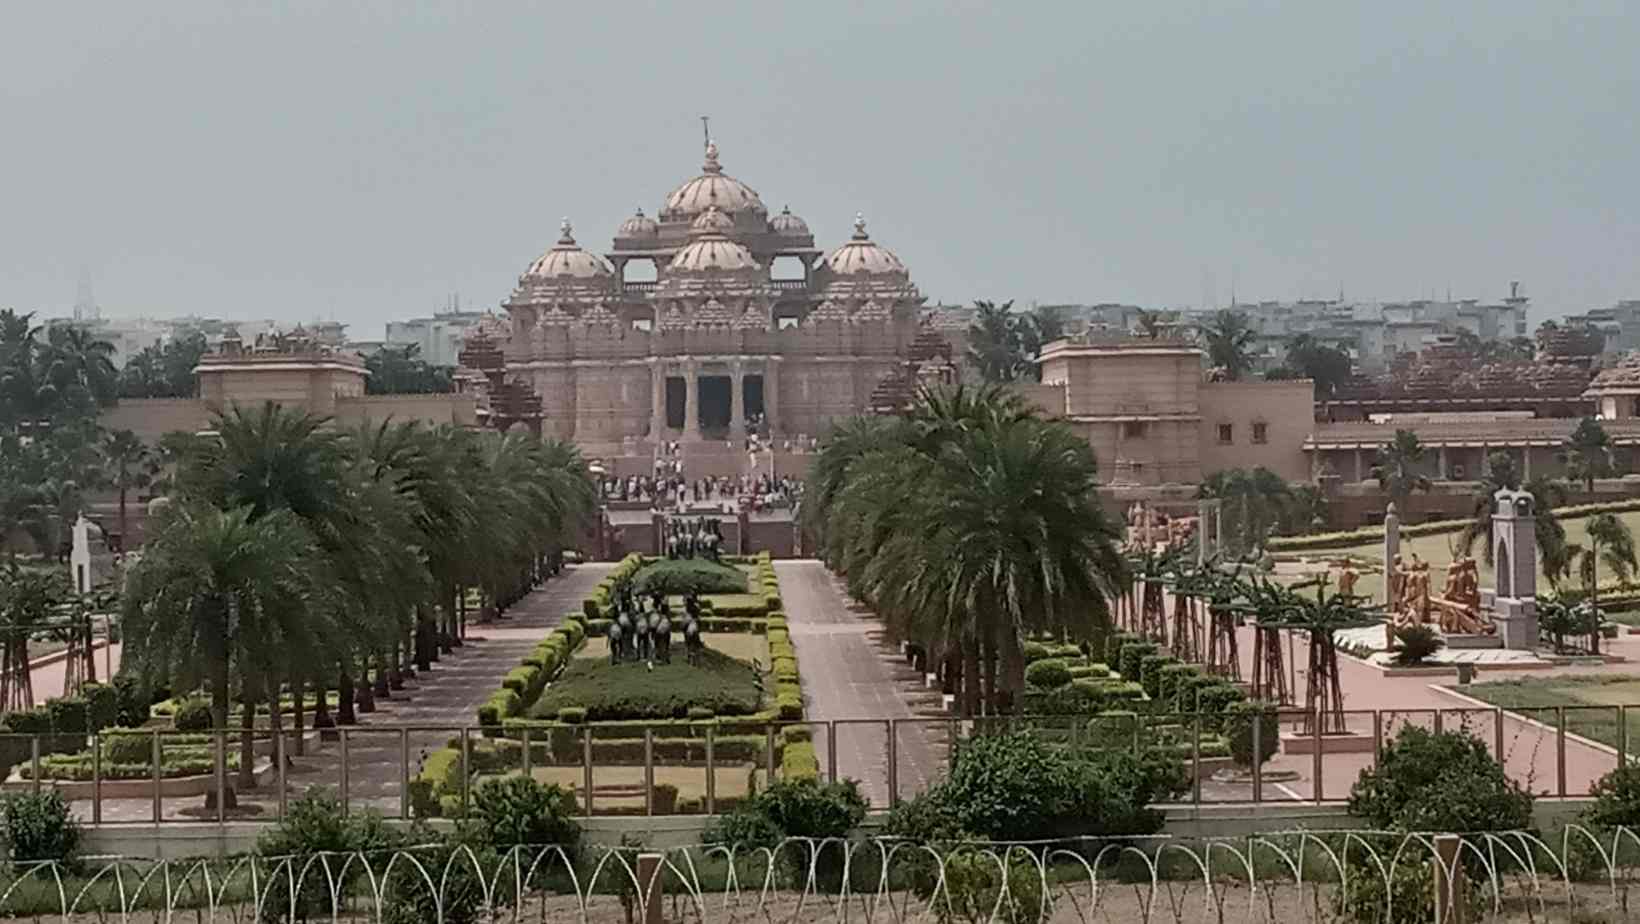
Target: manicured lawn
(738,645)
(1437,551)
(677,576)
(633,691)
(1540,698)
(732,780)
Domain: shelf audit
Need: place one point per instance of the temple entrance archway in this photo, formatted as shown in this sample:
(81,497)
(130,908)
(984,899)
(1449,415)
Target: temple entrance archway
(715,393)
(751,396)
(677,397)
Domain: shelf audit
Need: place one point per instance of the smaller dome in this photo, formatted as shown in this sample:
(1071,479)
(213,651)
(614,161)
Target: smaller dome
(567,259)
(710,247)
(712,221)
(788,224)
(639,227)
(863,257)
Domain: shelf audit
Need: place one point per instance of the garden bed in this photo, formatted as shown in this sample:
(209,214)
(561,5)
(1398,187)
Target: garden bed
(602,691)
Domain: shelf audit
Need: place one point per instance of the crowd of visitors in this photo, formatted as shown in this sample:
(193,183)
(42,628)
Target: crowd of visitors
(672,490)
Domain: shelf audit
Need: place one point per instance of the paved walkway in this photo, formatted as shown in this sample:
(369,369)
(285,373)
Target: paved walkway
(849,673)
(438,702)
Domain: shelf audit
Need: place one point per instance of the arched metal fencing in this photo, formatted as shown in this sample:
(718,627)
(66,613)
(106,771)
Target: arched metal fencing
(1578,874)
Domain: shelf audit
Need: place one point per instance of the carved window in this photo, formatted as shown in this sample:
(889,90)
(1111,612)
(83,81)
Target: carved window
(1261,432)
(1227,433)
(1133,429)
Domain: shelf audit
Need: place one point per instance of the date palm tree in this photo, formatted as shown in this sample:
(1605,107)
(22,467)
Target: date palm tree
(1228,339)
(1587,454)
(1396,467)
(128,466)
(1554,554)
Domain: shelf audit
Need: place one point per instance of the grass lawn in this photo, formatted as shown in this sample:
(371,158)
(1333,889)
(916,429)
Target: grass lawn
(1436,550)
(737,645)
(732,780)
(1540,697)
(607,691)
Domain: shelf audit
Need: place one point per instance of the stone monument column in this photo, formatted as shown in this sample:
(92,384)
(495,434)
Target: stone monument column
(691,404)
(737,403)
(1392,548)
(657,400)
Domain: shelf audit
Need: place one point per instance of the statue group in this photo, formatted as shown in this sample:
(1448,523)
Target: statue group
(1457,610)
(1147,526)
(641,628)
(700,537)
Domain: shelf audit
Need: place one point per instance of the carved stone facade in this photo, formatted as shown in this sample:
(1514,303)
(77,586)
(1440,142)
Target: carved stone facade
(744,321)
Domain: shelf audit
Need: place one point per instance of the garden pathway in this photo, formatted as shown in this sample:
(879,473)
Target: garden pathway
(850,674)
(438,703)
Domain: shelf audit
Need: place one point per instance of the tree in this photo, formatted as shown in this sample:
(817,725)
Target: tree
(1003,344)
(28,599)
(1327,366)
(1228,339)
(1255,504)
(1610,544)
(164,371)
(1587,454)
(218,591)
(1396,467)
(969,524)
(1554,554)
(128,466)
(400,370)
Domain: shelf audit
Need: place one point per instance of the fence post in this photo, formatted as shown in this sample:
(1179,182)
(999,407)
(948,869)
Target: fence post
(1622,735)
(157,808)
(648,771)
(831,751)
(466,764)
(96,779)
(221,775)
(893,762)
(768,756)
(347,780)
(1318,717)
(404,772)
(1258,764)
(1560,751)
(711,771)
(526,761)
(1377,737)
(1497,733)
(1196,757)
(279,760)
(649,878)
(586,764)
(1449,904)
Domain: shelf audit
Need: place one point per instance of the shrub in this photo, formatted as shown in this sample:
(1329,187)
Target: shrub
(798,761)
(574,632)
(1616,799)
(192,715)
(502,704)
(526,681)
(127,747)
(1240,720)
(313,824)
(1019,786)
(1133,655)
(1439,782)
(134,701)
(590,609)
(978,889)
(38,826)
(516,810)
(1150,672)
(1214,700)
(1034,651)
(1114,644)
(681,576)
(1415,643)
(1171,681)
(572,715)
(440,776)
(633,691)
(1049,674)
(796,808)
(102,706)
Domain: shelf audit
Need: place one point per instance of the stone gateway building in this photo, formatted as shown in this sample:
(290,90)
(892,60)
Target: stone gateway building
(743,324)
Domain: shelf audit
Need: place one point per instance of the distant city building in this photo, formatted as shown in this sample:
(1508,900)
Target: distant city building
(130,336)
(1620,324)
(438,338)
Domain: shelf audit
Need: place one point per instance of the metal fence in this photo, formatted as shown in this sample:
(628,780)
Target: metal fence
(1577,874)
(157,775)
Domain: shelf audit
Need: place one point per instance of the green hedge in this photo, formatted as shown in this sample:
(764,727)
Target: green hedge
(683,576)
(1375,534)
(799,762)
(1150,672)
(1133,655)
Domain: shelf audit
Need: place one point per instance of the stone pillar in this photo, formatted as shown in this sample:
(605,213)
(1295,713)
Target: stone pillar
(1514,544)
(1392,547)
(737,404)
(657,400)
(1526,463)
(1440,455)
(691,404)
(771,397)
(1358,477)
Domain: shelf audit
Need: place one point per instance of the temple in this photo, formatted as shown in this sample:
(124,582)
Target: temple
(708,321)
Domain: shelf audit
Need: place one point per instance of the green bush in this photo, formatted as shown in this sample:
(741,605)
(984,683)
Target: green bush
(1171,681)
(102,706)
(1214,701)
(1616,799)
(1150,672)
(134,701)
(572,715)
(1448,781)
(526,681)
(1416,643)
(1049,674)
(39,826)
(977,889)
(798,761)
(1114,643)
(316,824)
(1240,720)
(1133,655)
(634,691)
(440,776)
(516,810)
(1034,651)
(193,715)
(681,576)
(128,747)
(574,632)
(791,808)
(502,704)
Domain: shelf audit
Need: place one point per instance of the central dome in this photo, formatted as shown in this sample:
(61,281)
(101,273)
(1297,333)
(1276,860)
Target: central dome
(713,188)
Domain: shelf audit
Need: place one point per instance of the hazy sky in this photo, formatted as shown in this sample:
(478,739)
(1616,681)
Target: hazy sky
(363,160)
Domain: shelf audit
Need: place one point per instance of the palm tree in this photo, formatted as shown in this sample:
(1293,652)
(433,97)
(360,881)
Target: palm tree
(1228,338)
(1587,454)
(128,466)
(1396,467)
(28,598)
(1612,544)
(218,592)
(1554,554)
(992,341)
(1256,502)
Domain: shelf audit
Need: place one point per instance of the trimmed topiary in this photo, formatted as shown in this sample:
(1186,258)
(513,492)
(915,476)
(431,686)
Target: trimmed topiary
(1049,674)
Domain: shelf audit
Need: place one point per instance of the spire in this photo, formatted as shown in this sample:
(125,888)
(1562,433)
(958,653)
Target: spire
(712,165)
(860,227)
(566,237)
